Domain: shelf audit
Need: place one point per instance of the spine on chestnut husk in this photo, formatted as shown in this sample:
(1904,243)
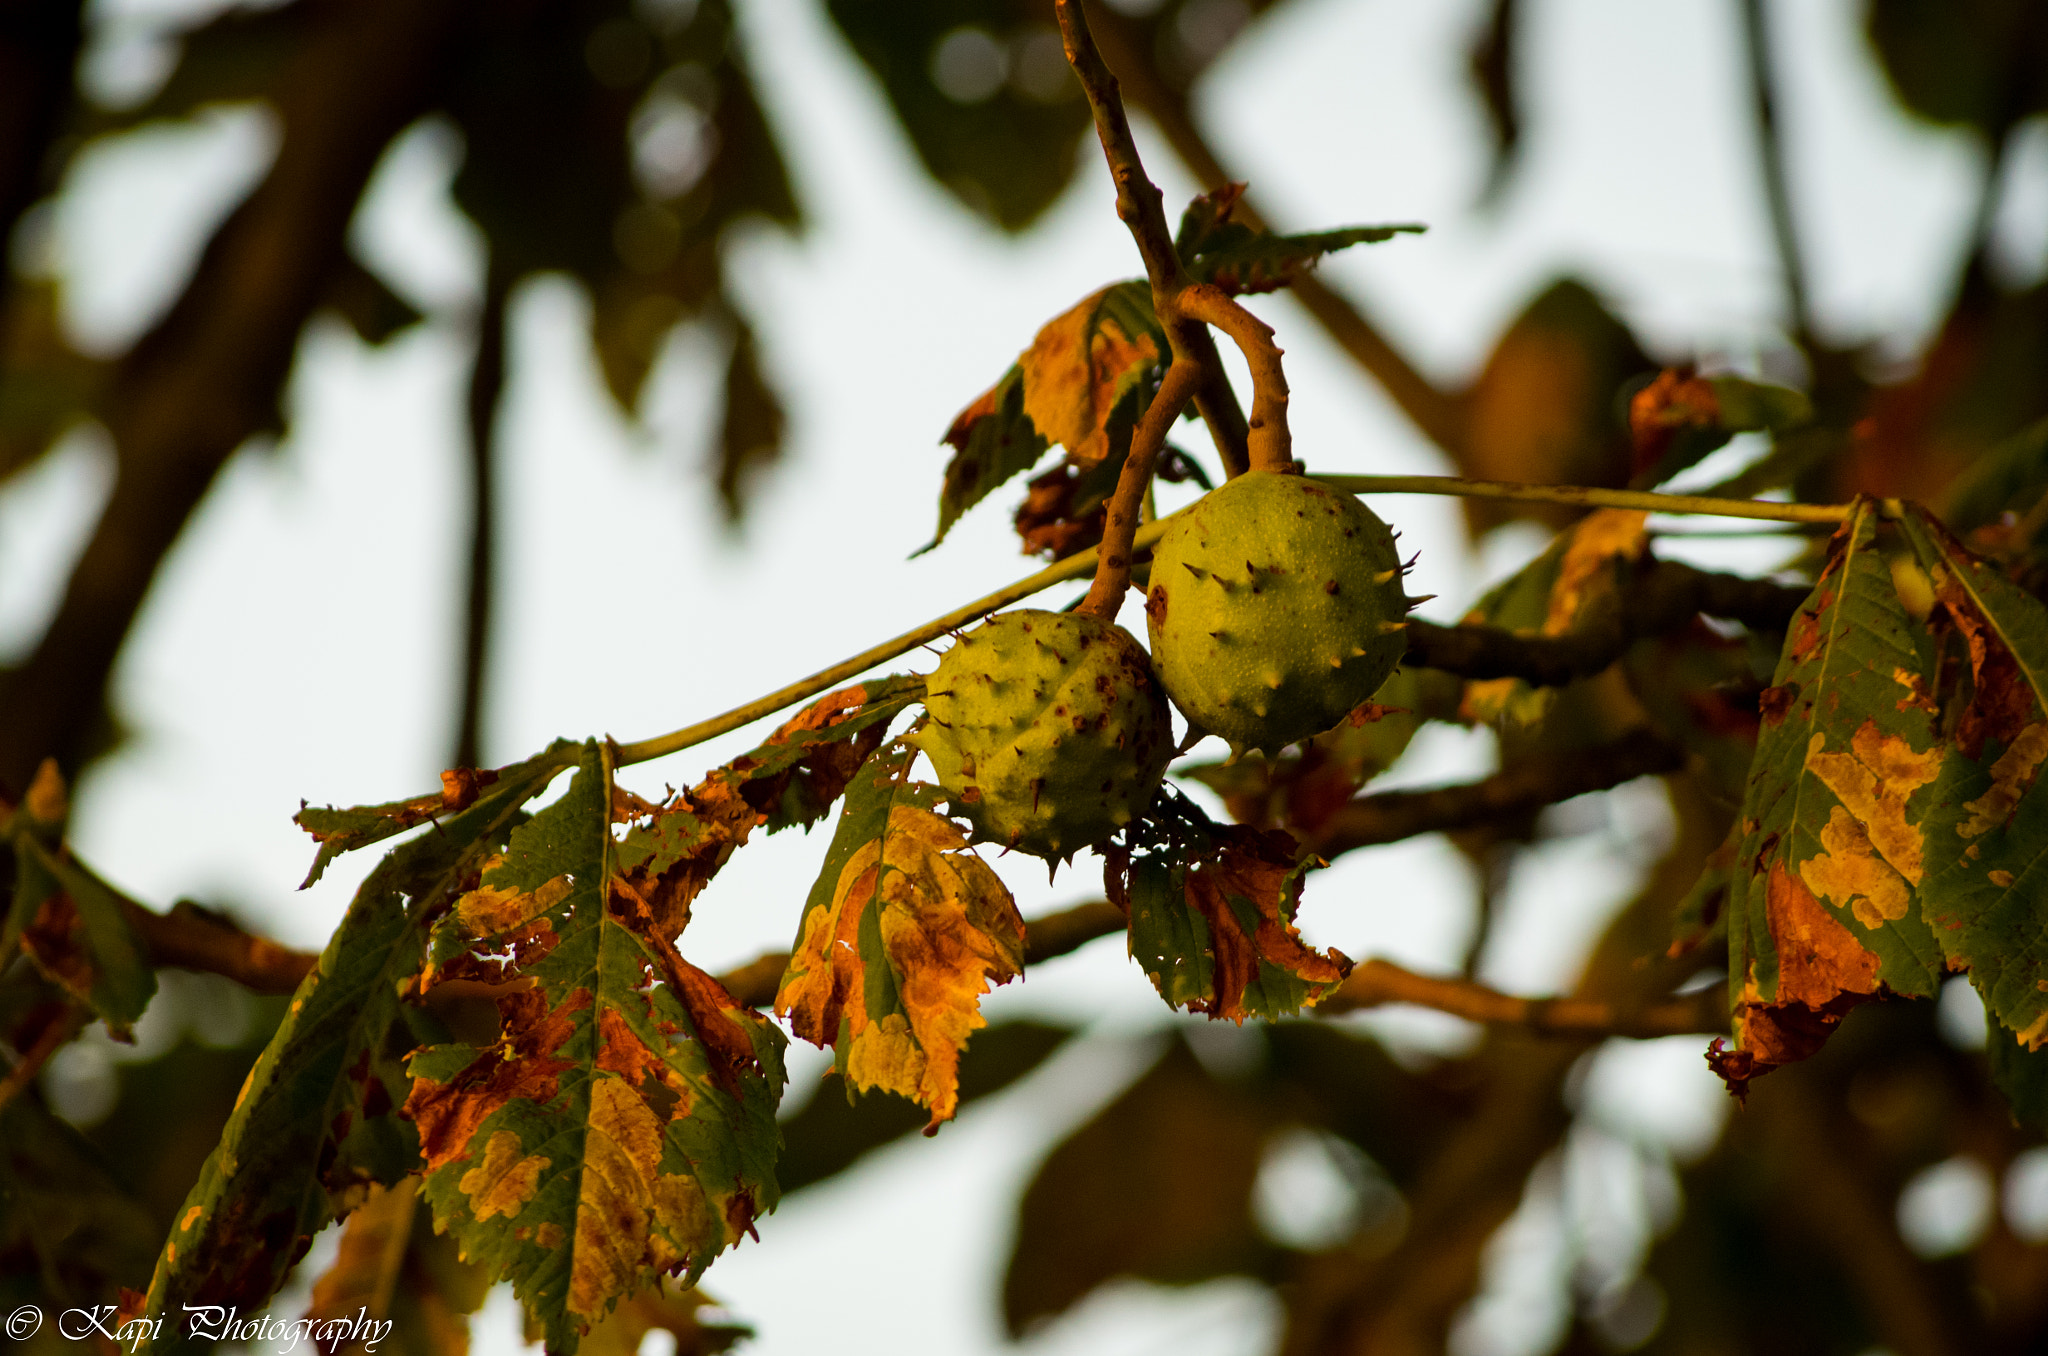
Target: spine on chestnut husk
(1275,609)
(1048,730)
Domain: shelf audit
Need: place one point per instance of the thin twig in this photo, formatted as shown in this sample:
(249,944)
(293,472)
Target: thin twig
(1083,563)
(1391,816)
(1138,201)
(189,938)
(1589,497)
(1378,982)
(1269,445)
(1438,414)
(1126,506)
(1143,211)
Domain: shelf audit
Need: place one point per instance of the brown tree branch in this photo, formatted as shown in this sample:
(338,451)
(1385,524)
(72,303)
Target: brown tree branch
(486,390)
(47,1043)
(191,938)
(210,374)
(1391,816)
(1377,982)
(1120,521)
(1659,600)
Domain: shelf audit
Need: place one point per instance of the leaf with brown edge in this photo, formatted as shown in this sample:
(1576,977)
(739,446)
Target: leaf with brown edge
(338,831)
(1575,582)
(622,1125)
(1986,833)
(903,932)
(1212,910)
(1819,901)
(1091,366)
(992,440)
(316,1123)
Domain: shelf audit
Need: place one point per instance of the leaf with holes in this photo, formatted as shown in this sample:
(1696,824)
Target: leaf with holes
(1212,916)
(316,1122)
(1820,900)
(903,932)
(622,1126)
(1986,829)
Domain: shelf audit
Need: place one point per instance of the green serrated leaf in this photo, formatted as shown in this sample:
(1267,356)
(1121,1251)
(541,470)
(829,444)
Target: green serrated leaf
(1986,828)
(2009,477)
(1244,262)
(903,932)
(317,1122)
(623,1124)
(1820,912)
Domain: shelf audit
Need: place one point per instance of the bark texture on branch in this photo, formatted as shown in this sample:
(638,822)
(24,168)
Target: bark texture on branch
(1663,598)
(1390,816)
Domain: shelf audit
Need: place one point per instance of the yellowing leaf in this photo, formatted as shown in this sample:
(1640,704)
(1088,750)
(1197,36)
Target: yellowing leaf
(621,1127)
(1084,363)
(1820,897)
(903,933)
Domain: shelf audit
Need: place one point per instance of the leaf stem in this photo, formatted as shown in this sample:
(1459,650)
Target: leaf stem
(1076,566)
(1082,563)
(1269,445)
(1592,498)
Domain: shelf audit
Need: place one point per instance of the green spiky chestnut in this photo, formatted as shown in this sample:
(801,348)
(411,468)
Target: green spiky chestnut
(1047,729)
(1275,609)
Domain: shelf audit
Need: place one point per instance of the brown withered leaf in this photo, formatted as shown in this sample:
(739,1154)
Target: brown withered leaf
(621,1125)
(1212,910)
(1085,368)
(904,931)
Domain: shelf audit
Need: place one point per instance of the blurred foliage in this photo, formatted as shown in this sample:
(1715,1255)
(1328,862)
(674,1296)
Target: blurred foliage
(627,144)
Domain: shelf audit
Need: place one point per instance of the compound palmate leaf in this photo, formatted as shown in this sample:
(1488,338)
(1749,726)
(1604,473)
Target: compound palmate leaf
(1820,898)
(314,1126)
(1986,886)
(903,932)
(1212,909)
(622,1126)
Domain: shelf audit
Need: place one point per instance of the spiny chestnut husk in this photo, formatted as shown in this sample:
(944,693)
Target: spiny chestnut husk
(1047,729)
(1275,609)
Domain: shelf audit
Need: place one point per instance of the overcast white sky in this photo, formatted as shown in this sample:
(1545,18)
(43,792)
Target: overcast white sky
(301,641)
